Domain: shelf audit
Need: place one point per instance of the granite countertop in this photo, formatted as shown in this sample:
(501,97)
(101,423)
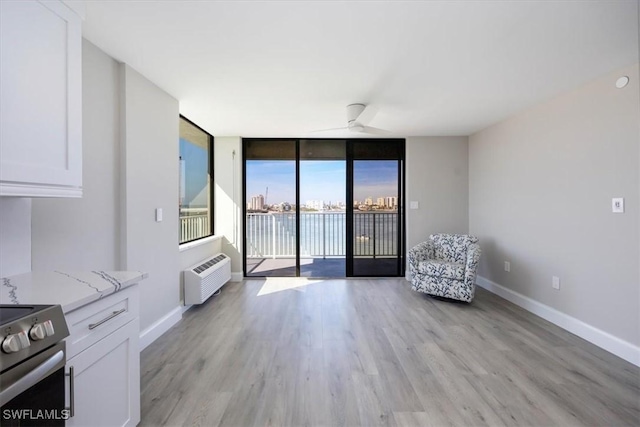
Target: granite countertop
(71,290)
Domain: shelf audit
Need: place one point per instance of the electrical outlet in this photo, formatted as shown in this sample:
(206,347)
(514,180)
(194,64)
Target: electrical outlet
(555,282)
(617,205)
(507,266)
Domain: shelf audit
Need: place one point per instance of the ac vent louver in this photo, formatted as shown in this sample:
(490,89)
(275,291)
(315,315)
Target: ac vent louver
(202,267)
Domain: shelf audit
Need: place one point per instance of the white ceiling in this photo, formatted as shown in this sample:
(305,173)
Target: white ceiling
(285,68)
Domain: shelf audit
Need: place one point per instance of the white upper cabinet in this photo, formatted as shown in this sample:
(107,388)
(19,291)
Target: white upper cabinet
(41,100)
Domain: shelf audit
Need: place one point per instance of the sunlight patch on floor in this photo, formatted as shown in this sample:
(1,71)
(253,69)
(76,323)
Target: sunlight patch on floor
(277,284)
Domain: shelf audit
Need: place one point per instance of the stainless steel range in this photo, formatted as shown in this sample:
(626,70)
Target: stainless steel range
(32,359)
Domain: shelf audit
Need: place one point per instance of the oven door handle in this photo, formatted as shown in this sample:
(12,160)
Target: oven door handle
(31,379)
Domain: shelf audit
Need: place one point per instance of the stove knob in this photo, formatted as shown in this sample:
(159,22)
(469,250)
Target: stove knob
(48,327)
(15,342)
(38,332)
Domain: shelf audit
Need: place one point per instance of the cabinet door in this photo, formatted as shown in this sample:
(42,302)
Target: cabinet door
(41,102)
(107,381)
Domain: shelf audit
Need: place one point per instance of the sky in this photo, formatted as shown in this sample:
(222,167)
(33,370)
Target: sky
(195,169)
(320,180)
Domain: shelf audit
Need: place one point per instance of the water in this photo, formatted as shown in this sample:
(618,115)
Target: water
(321,234)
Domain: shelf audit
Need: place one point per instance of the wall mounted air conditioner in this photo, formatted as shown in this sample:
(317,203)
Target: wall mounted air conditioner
(204,278)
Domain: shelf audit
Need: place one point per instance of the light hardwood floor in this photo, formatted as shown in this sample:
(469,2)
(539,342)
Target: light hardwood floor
(372,352)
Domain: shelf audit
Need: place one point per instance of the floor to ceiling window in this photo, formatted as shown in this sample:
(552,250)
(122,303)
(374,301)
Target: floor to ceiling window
(323,207)
(376,218)
(271,206)
(323,173)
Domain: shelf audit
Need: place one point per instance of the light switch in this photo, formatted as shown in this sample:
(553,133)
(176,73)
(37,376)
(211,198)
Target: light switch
(617,205)
(414,205)
(158,214)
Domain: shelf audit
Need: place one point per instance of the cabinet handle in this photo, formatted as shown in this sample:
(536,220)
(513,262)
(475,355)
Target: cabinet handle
(72,399)
(106,319)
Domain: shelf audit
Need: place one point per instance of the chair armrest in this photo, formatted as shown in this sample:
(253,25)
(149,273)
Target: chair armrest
(473,257)
(420,252)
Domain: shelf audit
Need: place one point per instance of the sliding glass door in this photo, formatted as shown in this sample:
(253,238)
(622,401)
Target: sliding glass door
(376,216)
(323,173)
(323,208)
(271,208)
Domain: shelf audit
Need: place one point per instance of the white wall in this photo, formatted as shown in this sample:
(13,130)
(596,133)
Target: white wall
(150,172)
(540,191)
(228,194)
(437,178)
(130,152)
(82,234)
(15,236)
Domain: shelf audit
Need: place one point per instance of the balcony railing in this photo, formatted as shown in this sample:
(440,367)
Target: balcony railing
(193,227)
(322,234)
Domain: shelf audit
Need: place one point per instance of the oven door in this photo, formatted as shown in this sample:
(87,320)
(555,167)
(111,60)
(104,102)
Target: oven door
(32,392)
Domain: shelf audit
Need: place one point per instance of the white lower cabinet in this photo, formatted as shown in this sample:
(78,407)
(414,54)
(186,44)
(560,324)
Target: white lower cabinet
(103,379)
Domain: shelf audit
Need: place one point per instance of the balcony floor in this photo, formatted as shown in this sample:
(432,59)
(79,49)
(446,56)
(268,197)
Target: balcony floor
(283,267)
(318,267)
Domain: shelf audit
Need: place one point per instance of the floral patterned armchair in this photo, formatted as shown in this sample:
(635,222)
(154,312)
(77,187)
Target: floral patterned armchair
(445,266)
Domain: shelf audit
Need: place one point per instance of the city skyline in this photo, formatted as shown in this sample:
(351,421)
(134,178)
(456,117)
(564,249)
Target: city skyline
(320,180)
(257,202)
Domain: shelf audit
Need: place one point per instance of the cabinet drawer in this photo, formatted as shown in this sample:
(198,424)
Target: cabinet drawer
(91,323)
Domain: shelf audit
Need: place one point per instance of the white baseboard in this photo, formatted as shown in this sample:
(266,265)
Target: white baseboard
(615,345)
(161,326)
(237,276)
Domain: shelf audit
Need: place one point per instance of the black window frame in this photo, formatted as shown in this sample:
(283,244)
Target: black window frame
(400,148)
(211,172)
